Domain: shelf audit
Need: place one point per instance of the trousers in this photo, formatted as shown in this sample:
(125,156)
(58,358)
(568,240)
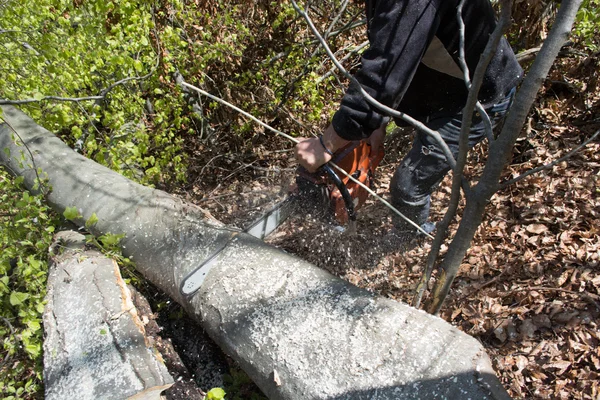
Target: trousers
(425,166)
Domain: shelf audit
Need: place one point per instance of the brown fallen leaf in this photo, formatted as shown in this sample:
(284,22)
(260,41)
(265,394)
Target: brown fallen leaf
(536,228)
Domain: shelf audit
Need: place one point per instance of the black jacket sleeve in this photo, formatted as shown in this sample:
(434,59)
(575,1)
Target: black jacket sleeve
(399,32)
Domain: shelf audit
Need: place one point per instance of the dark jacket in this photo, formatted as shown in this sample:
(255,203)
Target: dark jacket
(412,62)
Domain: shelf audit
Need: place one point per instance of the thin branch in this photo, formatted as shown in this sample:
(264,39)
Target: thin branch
(180,81)
(343,29)
(335,19)
(101,96)
(49,98)
(352,52)
(28,151)
(565,51)
(12,333)
(466,73)
(457,178)
(381,107)
(551,164)
(590,297)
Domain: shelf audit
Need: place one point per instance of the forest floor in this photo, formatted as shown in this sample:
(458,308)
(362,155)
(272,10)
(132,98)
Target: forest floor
(529,287)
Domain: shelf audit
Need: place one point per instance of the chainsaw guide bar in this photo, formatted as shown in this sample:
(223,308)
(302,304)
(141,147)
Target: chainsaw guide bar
(325,189)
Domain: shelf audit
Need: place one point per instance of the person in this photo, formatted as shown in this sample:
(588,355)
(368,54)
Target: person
(412,65)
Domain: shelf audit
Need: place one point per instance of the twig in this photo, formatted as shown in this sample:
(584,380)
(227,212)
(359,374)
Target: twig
(12,333)
(551,164)
(352,52)
(180,81)
(335,19)
(457,178)
(39,180)
(345,28)
(49,98)
(292,85)
(565,51)
(101,96)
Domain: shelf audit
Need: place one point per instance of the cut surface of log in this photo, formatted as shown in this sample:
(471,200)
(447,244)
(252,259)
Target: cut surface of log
(95,345)
(298,331)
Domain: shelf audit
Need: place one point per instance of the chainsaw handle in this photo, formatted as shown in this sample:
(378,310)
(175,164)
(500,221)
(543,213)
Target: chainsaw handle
(343,190)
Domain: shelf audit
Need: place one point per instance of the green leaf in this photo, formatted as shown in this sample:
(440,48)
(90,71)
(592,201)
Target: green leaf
(110,239)
(215,394)
(35,349)
(71,213)
(137,64)
(92,220)
(17,298)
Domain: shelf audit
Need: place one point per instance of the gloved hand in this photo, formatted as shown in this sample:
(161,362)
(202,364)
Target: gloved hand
(311,154)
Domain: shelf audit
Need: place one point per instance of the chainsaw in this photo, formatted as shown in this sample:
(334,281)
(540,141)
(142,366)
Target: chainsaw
(325,189)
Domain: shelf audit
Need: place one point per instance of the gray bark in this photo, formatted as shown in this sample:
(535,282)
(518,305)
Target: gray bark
(298,331)
(95,346)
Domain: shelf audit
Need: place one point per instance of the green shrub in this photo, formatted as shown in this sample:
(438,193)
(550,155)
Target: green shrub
(587,24)
(26,228)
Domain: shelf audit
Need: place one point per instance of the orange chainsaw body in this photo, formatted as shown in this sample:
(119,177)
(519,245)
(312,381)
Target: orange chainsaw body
(357,161)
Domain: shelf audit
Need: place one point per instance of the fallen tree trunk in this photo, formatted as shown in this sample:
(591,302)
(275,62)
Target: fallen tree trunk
(95,346)
(298,331)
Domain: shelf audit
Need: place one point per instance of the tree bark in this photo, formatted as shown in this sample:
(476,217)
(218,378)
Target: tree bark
(298,331)
(95,344)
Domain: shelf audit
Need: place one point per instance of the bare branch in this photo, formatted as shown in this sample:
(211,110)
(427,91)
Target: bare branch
(466,73)
(336,19)
(49,98)
(352,52)
(180,81)
(347,27)
(551,164)
(501,149)
(457,178)
(101,96)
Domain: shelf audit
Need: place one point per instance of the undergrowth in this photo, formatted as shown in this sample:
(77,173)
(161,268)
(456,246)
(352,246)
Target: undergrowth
(26,230)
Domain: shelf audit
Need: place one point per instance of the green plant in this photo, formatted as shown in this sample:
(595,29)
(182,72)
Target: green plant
(82,49)
(108,243)
(240,386)
(588,23)
(26,229)
(215,394)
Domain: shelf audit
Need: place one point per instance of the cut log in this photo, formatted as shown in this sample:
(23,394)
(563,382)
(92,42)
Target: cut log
(95,345)
(298,331)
